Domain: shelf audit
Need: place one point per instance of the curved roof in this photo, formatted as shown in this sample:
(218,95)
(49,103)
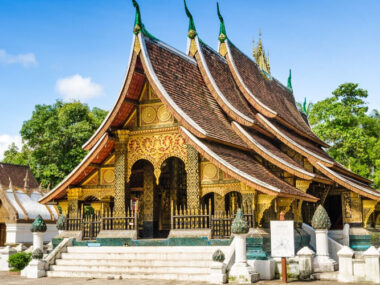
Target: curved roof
(268,96)
(27,207)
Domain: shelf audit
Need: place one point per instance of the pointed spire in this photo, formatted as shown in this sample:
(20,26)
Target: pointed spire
(192,32)
(290,87)
(138,23)
(222,29)
(259,54)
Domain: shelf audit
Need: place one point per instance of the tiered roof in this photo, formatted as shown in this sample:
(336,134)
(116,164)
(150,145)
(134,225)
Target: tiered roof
(229,110)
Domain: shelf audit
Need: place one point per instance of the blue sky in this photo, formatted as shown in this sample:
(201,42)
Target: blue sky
(52,49)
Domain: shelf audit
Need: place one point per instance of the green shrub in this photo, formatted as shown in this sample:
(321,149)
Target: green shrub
(19,261)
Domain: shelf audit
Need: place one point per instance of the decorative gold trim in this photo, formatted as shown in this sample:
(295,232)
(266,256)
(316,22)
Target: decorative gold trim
(137,46)
(263,203)
(223,49)
(303,185)
(283,205)
(368,208)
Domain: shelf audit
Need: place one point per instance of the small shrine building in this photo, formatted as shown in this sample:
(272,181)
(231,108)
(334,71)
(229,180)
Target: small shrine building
(19,206)
(203,133)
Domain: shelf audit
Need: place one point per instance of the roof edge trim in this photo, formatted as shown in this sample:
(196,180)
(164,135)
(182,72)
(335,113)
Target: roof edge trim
(297,171)
(238,116)
(346,183)
(248,94)
(289,141)
(164,95)
(84,163)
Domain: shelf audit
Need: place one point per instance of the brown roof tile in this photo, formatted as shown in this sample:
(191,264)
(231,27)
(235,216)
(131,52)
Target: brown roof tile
(17,174)
(183,82)
(271,93)
(224,80)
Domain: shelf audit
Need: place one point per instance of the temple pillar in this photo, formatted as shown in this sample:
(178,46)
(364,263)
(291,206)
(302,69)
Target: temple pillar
(302,185)
(121,149)
(64,207)
(73,196)
(148,201)
(192,176)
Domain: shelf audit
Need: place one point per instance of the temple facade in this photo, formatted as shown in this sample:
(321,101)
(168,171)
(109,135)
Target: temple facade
(194,136)
(19,206)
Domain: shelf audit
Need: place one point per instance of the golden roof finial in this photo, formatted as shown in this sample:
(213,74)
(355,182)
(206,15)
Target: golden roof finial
(259,54)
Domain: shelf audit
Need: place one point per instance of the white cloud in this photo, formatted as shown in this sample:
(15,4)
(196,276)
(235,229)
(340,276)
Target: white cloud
(25,59)
(77,87)
(6,140)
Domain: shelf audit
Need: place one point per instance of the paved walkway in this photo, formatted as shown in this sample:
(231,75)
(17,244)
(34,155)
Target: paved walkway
(17,280)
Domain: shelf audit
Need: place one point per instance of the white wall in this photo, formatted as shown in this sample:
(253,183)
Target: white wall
(20,233)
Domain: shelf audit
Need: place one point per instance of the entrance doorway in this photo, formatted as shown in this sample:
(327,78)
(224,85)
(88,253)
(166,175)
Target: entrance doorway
(333,206)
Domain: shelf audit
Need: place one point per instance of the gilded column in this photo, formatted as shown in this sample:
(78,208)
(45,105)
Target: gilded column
(192,169)
(148,201)
(73,196)
(121,149)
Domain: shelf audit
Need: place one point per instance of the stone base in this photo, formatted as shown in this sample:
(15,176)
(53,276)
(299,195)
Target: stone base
(218,273)
(242,273)
(35,269)
(190,233)
(132,234)
(266,268)
(324,264)
(70,234)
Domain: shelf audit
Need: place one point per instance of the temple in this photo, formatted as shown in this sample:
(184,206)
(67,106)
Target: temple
(194,136)
(19,195)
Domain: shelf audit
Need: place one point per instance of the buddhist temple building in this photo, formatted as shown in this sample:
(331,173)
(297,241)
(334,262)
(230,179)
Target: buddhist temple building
(19,206)
(197,134)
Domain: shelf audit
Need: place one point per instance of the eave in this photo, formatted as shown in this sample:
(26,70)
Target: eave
(365,191)
(239,174)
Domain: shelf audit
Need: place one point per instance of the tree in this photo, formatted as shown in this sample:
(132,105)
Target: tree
(305,107)
(54,136)
(354,136)
(14,156)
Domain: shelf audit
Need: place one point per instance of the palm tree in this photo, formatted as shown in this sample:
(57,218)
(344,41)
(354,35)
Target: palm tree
(305,107)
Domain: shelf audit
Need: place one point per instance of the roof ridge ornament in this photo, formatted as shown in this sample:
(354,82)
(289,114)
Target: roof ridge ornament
(222,29)
(138,23)
(139,26)
(290,87)
(192,32)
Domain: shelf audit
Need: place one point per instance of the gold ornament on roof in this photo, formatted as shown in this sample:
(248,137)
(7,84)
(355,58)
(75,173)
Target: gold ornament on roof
(261,58)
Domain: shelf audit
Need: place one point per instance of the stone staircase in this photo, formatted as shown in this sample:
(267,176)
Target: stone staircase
(136,262)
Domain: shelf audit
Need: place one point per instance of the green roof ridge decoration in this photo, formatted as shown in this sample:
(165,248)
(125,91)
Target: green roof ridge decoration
(37,254)
(320,220)
(191,32)
(38,225)
(290,87)
(218,256)
(239,225)
(222,29)
(139,26)
(61,222)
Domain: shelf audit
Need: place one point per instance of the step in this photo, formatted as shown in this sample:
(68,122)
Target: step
(139,256)
(85,274)
(145,249)
(130,269)
(133,262)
